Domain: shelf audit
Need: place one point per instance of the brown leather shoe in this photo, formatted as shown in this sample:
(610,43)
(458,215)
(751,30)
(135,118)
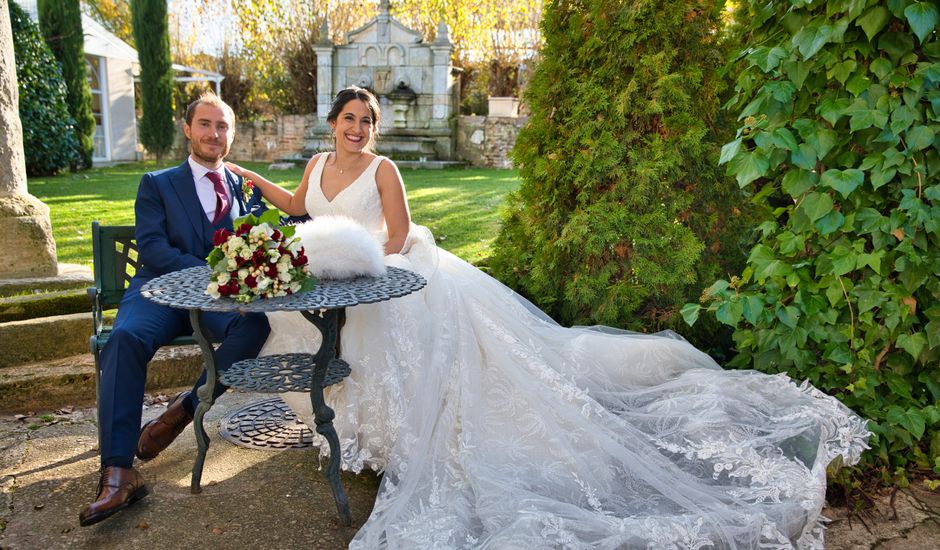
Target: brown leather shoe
(157,434)
(118,488)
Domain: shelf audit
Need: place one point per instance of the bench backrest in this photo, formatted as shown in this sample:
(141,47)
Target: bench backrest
(115,256)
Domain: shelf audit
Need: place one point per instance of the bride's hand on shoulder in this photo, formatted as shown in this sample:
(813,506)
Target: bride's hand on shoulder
(237,170)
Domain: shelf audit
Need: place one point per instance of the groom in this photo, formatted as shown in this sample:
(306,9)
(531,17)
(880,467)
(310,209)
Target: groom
(177,211)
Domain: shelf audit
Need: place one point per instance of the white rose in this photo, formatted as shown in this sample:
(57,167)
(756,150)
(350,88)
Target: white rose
(224,278)
(213,290)
(232,265)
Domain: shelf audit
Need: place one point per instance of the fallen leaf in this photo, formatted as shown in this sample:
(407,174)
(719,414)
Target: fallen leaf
(898,234)
(20,416)
(143,525)
(217,531)
(911,303)
(39,507)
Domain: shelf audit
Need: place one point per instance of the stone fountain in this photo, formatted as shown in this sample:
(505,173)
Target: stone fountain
(413,80)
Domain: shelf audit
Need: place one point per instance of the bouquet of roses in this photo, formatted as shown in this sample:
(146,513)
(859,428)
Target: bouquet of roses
(259,260)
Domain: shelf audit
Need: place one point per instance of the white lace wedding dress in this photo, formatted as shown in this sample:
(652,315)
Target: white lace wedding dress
(498,428)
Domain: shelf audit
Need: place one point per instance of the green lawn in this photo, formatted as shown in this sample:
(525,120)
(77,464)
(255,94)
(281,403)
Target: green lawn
(460,206)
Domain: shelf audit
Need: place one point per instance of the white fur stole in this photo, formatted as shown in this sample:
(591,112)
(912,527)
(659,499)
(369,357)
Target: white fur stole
(338,247)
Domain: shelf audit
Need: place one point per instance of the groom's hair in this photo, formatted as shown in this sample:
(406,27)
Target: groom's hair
(208,98)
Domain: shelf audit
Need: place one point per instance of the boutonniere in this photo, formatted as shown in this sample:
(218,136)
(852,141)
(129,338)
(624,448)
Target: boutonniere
(248,190)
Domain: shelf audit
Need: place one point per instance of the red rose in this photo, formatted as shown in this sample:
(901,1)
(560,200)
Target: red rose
(272,270)
(220,236)
(276,235)
(250,281)
(258,256)
(243,229)
(299,260)
(232,286)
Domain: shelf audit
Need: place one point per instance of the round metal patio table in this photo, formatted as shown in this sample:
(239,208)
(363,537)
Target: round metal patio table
(324,306)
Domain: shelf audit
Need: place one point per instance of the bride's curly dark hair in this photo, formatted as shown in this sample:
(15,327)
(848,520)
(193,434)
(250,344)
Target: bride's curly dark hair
(346,95)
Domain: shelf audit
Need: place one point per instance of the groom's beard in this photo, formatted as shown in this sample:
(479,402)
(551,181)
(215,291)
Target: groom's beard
(207,154)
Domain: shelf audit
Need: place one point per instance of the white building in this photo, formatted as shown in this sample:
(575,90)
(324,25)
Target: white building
(112,70)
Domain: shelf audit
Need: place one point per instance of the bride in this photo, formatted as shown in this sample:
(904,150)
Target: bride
(498,428)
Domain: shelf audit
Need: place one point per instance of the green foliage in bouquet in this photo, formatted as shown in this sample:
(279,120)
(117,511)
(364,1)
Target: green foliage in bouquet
(623,213)
(149,19)
(49,141)
(61,24)
(840,111)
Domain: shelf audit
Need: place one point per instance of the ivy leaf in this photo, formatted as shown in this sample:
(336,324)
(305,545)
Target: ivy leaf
(784,139)
(811,38)
(823,141)
(911,420)
(880,176)
(753,307)
(730,312)
(729,151)
(843,181)
(830,222)
(690,313)
(767,58)
(923,18)
(873,21)
(832,109)
(919,137)
(817,205)
(899,385)
(933,333)
(747,167)
(913,344)
(843,260)
(804,156)
(797,71)
(869,220)
(797,182)
(789,315)
(841,71)
(901,119)
(881,68)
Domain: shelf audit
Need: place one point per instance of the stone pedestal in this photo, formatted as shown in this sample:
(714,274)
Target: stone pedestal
(29,250)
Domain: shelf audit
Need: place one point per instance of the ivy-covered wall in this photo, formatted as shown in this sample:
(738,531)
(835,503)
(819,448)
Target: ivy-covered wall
(839,106)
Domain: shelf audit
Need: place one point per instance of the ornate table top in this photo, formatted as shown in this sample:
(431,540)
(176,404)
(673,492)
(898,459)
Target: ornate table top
(186,289)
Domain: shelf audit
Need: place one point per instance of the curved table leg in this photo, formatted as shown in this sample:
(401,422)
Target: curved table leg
(327,322)
(205,399)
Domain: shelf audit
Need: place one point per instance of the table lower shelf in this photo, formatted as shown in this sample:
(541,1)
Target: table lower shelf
(282,373)
(268,425)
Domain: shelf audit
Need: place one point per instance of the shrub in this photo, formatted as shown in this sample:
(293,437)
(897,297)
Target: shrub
(622,212)
(157,130)
(61,24)
(49,141)
(840,105)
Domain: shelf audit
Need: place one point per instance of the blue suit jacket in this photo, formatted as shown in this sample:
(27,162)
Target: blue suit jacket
(172,230)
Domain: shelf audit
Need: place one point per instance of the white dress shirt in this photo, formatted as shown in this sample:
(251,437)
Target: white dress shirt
(205,189)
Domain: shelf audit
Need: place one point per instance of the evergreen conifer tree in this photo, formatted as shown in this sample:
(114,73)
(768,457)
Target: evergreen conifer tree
(622,214)
(149,19)
(61,24)
(49,141)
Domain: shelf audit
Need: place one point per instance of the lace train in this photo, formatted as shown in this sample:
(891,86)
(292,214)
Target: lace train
(498,428)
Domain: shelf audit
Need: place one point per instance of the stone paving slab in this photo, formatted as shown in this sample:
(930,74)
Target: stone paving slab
(268,499)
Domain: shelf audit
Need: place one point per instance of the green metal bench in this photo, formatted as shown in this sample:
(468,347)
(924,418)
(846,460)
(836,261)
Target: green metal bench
(115,255)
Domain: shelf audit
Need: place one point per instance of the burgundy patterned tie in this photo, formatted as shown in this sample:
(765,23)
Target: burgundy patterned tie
(222,202)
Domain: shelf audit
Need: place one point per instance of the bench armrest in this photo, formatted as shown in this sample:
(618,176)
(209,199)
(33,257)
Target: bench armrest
(97,313)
